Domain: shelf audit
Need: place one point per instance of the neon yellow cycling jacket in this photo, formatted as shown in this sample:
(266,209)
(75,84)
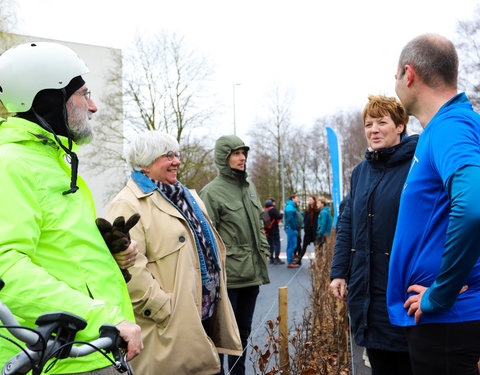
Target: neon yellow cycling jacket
(52,256)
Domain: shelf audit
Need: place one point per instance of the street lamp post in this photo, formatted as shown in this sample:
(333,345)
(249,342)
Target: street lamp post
(234,117)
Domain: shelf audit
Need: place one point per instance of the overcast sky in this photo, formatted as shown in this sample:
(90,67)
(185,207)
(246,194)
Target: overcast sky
(330,54)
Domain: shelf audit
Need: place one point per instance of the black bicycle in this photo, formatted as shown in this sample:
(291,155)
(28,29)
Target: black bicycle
(54,339)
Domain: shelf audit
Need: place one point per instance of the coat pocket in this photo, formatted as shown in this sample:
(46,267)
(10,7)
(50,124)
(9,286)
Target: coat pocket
(240,264)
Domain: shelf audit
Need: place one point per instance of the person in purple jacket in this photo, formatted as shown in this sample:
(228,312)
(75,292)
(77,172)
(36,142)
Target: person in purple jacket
(434,275)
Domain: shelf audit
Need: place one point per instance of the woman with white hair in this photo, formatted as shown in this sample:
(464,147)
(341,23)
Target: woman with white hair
(178,281)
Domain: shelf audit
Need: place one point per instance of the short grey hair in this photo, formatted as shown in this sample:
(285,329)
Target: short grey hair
(149,146)
(433,57)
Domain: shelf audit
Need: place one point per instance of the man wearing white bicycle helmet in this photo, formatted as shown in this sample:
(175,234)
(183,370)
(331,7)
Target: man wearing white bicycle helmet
(52,256)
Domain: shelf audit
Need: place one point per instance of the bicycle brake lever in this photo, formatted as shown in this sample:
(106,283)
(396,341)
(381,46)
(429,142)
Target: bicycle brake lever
(109,330)
(122,365)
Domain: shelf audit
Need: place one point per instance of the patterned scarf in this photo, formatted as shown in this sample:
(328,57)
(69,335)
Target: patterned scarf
(210,290)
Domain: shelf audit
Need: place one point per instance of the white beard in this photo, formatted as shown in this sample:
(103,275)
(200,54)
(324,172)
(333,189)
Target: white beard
(78,119)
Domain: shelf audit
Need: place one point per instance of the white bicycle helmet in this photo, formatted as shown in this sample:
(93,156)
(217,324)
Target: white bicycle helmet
(29,68)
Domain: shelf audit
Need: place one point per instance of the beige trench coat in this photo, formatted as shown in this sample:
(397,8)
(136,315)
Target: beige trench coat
(166,290)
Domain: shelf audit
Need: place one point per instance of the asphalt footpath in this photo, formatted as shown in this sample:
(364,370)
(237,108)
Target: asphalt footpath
(298,282)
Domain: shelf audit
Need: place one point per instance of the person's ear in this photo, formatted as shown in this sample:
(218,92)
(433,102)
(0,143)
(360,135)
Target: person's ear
(410,74)
(400,128)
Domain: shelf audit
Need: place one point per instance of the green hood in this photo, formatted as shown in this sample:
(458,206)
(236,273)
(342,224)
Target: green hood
(223,148)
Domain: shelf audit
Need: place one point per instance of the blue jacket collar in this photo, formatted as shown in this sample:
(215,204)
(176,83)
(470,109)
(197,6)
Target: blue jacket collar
(143,182)
(457,99)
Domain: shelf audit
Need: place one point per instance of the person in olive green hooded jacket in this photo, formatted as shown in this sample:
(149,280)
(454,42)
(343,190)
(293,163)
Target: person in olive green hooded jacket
(236,212)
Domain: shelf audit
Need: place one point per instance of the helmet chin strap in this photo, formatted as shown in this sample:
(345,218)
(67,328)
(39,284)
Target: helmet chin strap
(72,155)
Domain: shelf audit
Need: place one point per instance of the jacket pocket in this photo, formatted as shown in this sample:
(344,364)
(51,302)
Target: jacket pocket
(240,264)
(160,313)
(156,311)
(232,210)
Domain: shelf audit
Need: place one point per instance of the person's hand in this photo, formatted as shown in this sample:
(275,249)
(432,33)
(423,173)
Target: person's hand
(413,302)
(338,288)
(126,258)
(132,335)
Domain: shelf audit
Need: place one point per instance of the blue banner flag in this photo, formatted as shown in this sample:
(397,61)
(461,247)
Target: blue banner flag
(337,172)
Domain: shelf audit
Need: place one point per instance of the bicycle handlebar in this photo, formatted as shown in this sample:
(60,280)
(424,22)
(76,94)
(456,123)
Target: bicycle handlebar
(22,363)
(54,338)
(6,316)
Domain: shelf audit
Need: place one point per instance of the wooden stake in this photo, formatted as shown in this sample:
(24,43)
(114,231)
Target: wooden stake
(283,329)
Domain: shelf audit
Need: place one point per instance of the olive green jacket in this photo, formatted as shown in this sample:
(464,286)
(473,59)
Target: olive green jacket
(236,212)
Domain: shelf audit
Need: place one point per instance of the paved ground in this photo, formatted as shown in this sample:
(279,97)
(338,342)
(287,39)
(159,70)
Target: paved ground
(298,282)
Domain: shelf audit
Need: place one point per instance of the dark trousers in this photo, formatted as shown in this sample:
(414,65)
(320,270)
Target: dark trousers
(243,304)
(385,362)
(274,242)
(320,239)
(444,348)
(305,244)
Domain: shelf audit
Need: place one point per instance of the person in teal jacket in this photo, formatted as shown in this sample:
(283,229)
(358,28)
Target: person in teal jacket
(233,205)
(324,222)
(52,255)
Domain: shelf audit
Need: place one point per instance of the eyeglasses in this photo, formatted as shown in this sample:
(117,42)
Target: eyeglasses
(170,155)
(86,94)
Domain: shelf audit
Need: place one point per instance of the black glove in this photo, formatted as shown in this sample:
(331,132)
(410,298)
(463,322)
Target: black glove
(117,235)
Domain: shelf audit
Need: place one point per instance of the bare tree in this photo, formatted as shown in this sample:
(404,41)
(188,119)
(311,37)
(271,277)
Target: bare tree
(354,143)
(468,47)
(349,129)
(319,157)
(269,145)
(306,164)
(297,174)
(8,16)
(164,86)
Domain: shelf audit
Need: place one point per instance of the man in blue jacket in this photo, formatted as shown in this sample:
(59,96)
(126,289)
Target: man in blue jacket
(434,275)
(291,228)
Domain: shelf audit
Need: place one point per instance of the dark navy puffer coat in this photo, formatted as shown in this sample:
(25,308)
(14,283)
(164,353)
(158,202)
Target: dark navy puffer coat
(364,242)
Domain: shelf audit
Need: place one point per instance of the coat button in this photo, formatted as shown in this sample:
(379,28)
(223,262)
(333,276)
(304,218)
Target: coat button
(147,312)
(181,239)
